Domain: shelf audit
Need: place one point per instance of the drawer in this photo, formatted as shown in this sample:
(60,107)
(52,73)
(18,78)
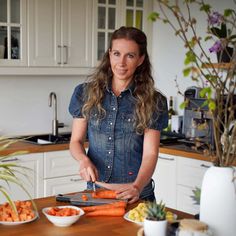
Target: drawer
(190,172)
(59,163)
(63,185)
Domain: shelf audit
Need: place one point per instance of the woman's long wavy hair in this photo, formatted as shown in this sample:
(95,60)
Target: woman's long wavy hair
(144,92)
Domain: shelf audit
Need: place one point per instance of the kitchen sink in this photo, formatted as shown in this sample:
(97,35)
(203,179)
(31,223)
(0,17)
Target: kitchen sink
(45,139)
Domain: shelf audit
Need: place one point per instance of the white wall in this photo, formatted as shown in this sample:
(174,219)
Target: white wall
(24,103)
(168,53)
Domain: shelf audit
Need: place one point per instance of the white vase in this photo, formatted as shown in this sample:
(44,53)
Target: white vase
(154,228)
(218,200)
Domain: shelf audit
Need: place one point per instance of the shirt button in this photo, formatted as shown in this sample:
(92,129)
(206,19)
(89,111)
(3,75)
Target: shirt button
(129,119)
(108,167)
(113,108)
(111,123)
(109,152)
(109,138)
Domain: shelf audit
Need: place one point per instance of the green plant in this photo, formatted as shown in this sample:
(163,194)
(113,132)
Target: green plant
(196,195)
(218,85)
(10,172)
(155,211)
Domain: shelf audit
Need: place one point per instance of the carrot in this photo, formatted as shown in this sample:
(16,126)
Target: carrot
(84,197)
(105,206)
(117,211)
(104,194)
(67,211)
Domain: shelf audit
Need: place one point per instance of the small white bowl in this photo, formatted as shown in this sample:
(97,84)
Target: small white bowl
(63,221)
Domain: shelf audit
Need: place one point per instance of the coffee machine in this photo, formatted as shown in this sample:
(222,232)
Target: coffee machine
(197,120)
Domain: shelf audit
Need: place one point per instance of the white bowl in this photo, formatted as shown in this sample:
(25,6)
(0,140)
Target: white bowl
(63,221)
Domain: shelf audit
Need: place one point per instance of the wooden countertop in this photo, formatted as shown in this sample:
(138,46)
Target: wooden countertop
(177,150)
(85,226)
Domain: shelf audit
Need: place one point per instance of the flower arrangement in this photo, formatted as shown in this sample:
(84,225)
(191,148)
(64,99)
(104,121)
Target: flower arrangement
(218,83)
(217,26)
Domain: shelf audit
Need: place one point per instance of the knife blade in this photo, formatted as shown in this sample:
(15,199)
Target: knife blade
(94,186)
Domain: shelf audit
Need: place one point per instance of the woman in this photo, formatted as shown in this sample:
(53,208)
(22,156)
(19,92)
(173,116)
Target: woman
(121,114)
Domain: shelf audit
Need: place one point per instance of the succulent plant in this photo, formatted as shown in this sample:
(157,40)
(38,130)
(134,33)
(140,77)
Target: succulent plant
(156,211)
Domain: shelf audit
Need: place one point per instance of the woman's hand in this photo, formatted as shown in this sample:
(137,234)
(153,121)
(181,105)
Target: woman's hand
(124,191)
(87,170)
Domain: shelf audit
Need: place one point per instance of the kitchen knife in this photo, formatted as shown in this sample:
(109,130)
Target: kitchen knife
(94,186)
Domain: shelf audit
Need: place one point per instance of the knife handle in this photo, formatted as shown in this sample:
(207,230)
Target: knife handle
(63,198)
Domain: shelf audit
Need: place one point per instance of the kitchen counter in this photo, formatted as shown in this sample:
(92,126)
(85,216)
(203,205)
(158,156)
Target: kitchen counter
(86,226)
(172,149)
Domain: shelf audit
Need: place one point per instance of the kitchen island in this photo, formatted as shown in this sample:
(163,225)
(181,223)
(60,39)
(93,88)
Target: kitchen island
(85,226)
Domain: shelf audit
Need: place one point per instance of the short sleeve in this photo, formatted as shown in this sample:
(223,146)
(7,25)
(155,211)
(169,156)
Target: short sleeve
(160,116)
(77,101)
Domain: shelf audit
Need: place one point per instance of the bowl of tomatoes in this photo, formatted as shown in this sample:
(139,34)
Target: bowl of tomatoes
(63,216)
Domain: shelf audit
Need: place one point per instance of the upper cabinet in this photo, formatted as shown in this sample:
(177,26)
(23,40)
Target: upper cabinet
(60,33)
(13,49)
(112,14)
(63,37)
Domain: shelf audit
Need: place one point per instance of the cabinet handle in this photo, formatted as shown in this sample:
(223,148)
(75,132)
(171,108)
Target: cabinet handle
(205,166)
(66,50)
(167,158)
(59,62)
(8,160)
(75,180)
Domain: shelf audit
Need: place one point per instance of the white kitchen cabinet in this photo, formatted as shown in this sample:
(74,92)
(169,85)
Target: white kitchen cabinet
(61,174)
(60,33)
(13,35)
(190,173)
(32,179)
(112,14)
(63,185)
(165,179)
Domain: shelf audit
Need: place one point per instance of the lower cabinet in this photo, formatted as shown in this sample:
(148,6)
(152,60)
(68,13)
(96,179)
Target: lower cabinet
(190,174)
(47,174)
(61,174)
(165,180)
(67,184)
(175,178)
(31,178)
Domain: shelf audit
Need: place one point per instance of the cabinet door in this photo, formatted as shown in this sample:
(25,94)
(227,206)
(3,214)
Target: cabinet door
(185,202)
(32,178)
(59,163)
(44,33)
(190,173)
(62,185)
(165,179)
(76,33)
(13,38)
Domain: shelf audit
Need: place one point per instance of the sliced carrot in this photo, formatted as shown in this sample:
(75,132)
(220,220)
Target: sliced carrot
(66,211)
(84,197)
(117,211)
(104,194)
(105,206)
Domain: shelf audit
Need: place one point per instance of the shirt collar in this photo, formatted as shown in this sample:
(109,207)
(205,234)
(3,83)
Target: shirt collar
(130,88)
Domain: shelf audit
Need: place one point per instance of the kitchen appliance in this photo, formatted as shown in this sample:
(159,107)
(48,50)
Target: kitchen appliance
(197,122)
(192,92)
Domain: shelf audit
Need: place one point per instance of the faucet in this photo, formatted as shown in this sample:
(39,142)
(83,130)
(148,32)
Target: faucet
(55,123)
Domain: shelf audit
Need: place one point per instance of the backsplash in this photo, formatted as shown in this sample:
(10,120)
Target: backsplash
(24,105)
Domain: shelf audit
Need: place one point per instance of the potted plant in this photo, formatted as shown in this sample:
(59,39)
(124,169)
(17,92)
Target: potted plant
(155,222)
(218,83)
(10,172)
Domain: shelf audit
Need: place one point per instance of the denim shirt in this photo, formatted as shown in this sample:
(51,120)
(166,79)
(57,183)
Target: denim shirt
(114,146)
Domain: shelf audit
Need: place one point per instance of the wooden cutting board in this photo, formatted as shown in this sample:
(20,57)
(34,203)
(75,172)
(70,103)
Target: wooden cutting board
(76,199)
